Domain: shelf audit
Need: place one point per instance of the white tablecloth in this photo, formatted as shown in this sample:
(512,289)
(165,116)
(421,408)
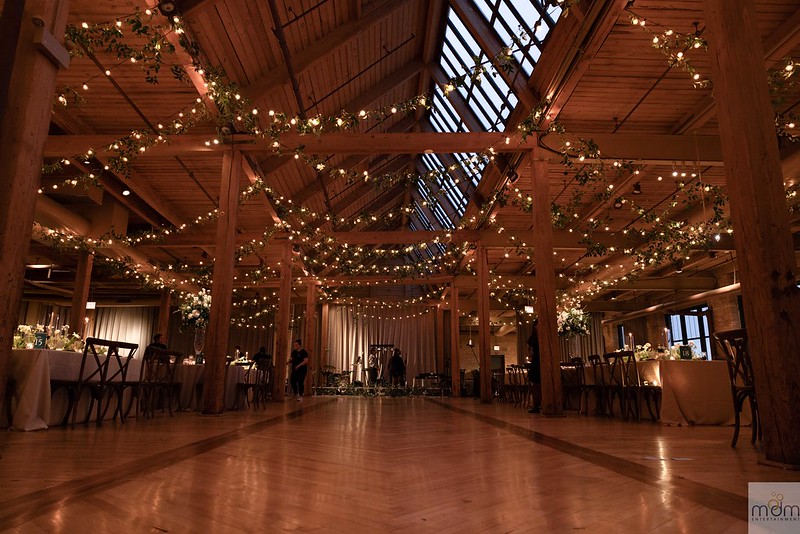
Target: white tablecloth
(189,376)
(693,392)
(31,370)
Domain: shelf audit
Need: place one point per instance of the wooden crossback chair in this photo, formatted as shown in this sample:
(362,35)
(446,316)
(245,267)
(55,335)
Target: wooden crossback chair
(740,372)
(598,387)
(158,380)
(615,386)
(104,374)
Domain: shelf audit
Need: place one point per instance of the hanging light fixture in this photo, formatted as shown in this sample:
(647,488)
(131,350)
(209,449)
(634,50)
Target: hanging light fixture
(637,188)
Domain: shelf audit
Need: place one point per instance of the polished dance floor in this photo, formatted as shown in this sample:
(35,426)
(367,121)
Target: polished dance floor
(341,464)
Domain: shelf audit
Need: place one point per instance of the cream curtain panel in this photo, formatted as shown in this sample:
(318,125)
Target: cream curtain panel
(351,330)
(130,324)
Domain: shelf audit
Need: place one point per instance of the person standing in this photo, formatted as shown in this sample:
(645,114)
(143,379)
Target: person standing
(299,363)
(397,368)
(534,369)
(372,366)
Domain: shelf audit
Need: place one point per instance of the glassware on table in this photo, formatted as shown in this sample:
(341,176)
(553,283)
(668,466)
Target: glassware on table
(199,342)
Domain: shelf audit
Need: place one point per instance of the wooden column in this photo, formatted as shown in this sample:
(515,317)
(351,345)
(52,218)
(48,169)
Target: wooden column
(83,279)
(455,343)
(761,229)
(282,324)
(484,328)
(310,335)
(163,313)
(440,332)
(217,334)
(26,112)
(545,285)
(323,337)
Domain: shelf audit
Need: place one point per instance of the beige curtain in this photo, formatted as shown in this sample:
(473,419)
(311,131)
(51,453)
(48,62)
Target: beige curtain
(351,330)
(128,324)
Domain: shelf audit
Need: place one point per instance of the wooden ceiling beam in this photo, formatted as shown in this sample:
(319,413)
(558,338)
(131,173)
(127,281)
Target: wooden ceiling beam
(562,239)
(320,50)
(326,143)
(778,45)
(368,99)
(568,52)
(327,179)
(653,149)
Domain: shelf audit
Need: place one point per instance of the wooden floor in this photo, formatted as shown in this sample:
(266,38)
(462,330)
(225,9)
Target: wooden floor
(378,465)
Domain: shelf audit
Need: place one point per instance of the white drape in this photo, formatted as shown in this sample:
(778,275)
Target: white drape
(352,330)
(129,324)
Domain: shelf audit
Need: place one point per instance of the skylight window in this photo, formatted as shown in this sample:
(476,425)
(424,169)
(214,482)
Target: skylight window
(512,20)
(490,99)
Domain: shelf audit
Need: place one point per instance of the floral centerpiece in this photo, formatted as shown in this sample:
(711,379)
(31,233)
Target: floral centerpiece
(572,322)
(57,338)
(675,352)
(645,352)
(24,337)
(196,310)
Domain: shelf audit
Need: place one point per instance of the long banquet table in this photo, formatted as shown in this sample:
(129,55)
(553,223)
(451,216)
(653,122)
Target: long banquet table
(31,370)
(33,407)
(693,392)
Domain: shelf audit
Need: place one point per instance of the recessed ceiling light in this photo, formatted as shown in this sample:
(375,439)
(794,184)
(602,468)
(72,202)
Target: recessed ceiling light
(126,192)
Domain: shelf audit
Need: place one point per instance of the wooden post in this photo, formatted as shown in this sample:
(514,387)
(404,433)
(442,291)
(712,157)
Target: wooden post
(163,313)
(759,214)
(545,285)
(323,337)
(484,328)
(25,122)
(222,285)
(83,278)
(439,332)
(309,337)
(282,324)
(455,343)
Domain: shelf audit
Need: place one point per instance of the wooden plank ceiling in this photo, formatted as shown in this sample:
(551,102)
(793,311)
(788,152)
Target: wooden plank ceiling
(600,72)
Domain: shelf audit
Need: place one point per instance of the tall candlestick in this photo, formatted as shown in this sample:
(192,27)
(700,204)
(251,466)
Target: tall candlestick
(666,337)
(630,338)
(52,319)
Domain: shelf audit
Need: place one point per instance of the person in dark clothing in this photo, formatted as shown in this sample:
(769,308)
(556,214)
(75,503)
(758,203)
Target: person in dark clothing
(158,342)
(534,369)
(397,368)
(299,363)
(261,357)
(372,366)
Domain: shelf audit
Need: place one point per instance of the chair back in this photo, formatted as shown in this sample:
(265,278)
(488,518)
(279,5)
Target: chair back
(597,370)
(630,370)
(157,367)
(96,362)
(119,355)
(618,362)
(740,366)
(249,374)
(580,379)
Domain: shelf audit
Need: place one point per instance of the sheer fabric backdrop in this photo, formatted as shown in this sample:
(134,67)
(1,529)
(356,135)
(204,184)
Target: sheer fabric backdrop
(352,330)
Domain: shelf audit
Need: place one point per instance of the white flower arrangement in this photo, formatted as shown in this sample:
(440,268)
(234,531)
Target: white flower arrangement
(572,322)
(644,352)
(57,338)
(196,310)
(25,335)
